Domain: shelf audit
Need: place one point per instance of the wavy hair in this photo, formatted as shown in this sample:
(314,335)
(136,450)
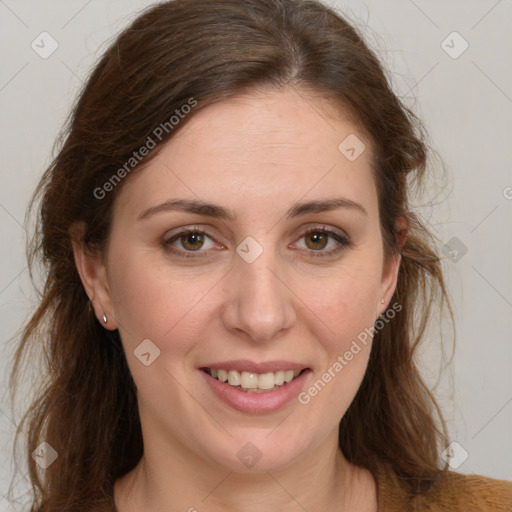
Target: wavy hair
(85,403)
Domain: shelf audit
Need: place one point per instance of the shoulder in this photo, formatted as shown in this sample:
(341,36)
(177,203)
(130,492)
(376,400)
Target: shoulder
(457,492)
(451,492)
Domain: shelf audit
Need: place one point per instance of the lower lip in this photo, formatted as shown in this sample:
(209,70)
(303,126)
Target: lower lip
(256,403)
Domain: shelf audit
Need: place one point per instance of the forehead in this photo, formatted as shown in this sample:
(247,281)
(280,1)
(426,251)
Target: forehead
(259,149)
(271,122)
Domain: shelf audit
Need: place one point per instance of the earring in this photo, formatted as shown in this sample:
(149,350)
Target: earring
(104,318)
(382,301)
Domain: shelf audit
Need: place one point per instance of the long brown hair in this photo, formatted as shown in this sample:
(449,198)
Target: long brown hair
(210,50)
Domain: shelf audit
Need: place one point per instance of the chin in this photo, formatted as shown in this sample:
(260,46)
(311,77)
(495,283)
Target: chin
(258,452)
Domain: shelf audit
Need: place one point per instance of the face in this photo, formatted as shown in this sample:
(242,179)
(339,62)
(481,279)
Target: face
(279,275)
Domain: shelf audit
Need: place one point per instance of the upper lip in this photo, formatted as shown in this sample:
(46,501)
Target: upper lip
(244,365)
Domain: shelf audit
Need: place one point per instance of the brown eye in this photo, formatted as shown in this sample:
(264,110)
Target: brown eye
(192,241)
(323,242)
(318,240)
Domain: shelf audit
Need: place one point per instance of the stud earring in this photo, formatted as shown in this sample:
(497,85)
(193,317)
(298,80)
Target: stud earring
(104,318)
(382,301)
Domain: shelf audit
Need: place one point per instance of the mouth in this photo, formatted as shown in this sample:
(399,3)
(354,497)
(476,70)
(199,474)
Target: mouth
(252,382)
(255,388)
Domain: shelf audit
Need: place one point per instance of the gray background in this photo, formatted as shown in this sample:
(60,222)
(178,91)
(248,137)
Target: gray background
(465,102)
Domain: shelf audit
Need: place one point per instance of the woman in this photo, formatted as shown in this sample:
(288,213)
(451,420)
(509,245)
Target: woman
(236,283)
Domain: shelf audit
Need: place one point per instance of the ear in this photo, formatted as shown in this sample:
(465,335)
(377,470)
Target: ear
(93,274)
(392,265)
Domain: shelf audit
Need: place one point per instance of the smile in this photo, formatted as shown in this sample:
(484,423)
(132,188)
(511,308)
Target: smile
(254,388)
(252,382)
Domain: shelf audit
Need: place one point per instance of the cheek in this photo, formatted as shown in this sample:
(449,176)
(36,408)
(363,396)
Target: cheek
(156,301)
(346,301)
(165,306)
(345,310)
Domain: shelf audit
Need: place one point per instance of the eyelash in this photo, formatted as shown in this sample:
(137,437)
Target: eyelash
(343,241)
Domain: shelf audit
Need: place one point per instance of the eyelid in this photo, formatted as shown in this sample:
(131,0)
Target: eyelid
(180,253)
(323,228)
(184,230)
(343,240)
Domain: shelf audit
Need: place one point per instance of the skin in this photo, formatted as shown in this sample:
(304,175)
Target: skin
(257,155)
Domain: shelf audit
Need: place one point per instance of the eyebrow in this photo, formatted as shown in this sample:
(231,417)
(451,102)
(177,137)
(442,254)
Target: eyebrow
(219,212)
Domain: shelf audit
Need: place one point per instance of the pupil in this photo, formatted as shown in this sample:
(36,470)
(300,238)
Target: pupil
(194,240)
(318,238)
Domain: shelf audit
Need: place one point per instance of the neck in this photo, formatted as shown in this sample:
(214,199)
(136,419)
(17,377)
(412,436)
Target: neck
(173,478)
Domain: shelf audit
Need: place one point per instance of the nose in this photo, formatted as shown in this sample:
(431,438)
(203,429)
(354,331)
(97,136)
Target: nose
(259,300)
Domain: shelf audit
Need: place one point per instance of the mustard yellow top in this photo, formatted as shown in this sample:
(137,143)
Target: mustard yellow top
(453,493)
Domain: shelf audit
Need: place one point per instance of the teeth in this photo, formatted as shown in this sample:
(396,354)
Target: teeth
(266,380)
(255,381)
(248,380)
(279,378)
(234,378)
(288,375)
